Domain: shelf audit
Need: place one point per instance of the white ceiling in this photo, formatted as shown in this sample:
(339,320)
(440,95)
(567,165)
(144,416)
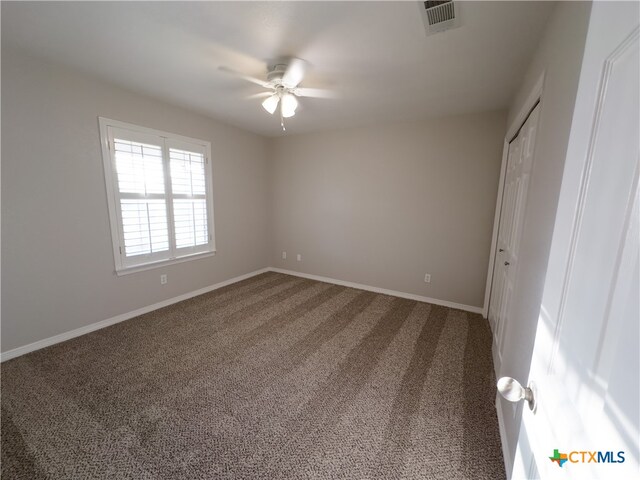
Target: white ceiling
(375,55)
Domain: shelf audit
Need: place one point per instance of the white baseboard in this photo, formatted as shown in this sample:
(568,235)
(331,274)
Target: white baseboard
(16,352)
(394,293)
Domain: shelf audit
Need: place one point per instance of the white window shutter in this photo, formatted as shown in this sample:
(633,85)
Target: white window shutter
(189,192)
(160,197)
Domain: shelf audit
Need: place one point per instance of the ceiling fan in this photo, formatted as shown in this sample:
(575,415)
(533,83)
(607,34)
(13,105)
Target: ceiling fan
(283,79)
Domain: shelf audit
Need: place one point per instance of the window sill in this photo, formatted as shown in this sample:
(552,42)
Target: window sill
(163,263)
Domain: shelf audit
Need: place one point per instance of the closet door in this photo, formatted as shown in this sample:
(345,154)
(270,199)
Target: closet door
(519,161)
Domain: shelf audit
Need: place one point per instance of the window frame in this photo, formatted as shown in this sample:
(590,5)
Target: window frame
(166,141)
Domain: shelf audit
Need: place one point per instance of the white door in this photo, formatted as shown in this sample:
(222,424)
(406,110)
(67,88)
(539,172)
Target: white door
(516,183)
(585,360)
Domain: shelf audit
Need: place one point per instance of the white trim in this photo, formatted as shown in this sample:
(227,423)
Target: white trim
(384,291)
(508,465)
(150,131)
(496,355)
(534,96)
(105,143)
(164,263)
(494,235)
(62,337)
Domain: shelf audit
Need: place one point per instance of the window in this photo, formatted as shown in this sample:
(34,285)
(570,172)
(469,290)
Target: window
(159,195)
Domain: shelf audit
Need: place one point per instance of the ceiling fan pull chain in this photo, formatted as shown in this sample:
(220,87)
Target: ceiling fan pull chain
(282,120)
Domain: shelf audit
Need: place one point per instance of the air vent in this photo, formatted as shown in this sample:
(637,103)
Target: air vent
(438,12)
(439,16)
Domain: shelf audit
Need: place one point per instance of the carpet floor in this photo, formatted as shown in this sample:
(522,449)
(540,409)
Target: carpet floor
(274,377)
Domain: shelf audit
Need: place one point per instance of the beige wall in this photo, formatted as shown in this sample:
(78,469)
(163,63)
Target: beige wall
(380,206)
(384,205)
(559,56)
(57,260)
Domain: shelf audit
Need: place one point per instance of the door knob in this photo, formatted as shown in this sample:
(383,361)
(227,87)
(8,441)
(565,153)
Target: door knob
(511,390)
(506,264)
(501,250)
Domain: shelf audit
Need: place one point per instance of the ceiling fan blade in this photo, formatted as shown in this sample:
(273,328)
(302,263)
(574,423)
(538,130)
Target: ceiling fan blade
(295,73)
(260,95)
(248,78)
(315,93)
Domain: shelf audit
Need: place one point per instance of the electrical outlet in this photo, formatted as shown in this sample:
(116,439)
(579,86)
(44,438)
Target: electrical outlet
(163,279)
(284,255)
(299,257)
(427,278)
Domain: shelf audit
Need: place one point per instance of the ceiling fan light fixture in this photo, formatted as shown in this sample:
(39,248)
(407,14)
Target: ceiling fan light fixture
(289,105)
(282,86)
(271,103)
